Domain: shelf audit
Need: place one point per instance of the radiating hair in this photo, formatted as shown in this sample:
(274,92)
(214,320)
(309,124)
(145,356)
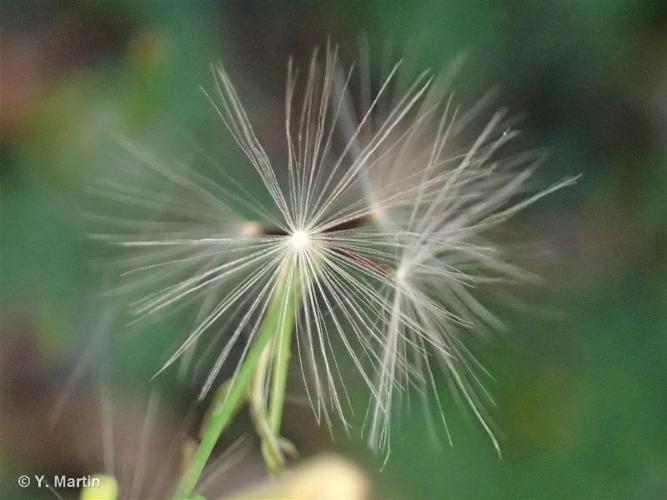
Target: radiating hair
(380,215)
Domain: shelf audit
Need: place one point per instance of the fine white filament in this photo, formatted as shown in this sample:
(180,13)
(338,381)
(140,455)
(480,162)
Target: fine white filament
(382,209)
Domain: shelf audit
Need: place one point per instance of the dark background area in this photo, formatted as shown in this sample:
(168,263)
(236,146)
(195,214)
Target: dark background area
(580,373)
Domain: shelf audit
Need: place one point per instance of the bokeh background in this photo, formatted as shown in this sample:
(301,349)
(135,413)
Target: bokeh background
(580,374)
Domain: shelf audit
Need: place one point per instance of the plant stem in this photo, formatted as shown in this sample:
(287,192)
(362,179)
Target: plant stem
(281,357)
(278,319)
(276,357)
(270,446)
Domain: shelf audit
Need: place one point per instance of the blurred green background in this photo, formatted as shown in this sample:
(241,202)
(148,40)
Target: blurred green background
(580,374)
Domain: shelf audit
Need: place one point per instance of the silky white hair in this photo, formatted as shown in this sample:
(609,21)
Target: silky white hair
(383,212)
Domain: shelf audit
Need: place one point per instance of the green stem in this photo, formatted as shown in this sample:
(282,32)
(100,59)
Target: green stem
(279,315)
(270,447)
(281,359)
(276,355)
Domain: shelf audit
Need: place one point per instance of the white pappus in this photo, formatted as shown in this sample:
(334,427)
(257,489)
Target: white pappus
(380,215)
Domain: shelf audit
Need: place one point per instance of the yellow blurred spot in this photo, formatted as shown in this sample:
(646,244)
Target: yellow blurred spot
(105,489)
(378,213)
(251,228)
(323,478)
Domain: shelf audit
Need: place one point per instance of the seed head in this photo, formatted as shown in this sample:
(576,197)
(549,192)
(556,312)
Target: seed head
(385,215)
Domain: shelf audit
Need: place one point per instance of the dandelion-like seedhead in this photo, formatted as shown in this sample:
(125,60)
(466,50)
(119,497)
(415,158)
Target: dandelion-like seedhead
(380,217)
